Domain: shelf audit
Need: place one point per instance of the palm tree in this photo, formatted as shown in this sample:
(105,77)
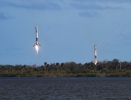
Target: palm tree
(57,65)
(62,64)
(45,65)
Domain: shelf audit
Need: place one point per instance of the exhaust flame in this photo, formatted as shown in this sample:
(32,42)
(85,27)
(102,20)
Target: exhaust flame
(95,63)
(37,48)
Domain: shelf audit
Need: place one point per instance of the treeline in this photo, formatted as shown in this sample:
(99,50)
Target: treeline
(113,68)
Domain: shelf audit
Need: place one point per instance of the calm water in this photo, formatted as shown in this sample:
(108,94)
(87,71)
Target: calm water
(65,88)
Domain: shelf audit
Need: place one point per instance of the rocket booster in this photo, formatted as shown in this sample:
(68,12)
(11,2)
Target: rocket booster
(36,30)
(95,52)
(95,55)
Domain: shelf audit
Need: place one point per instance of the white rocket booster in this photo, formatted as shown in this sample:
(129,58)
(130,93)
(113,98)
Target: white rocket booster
(36,29)
(95,55)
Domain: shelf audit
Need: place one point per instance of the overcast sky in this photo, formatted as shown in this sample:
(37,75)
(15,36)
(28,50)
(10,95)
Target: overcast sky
(68,30)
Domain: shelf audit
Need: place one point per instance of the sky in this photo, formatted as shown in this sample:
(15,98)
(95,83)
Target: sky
(68,30)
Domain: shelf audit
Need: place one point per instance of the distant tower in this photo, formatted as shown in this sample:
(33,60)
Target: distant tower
(95,55)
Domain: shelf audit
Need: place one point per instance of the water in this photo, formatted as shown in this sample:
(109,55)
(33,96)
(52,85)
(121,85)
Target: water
(65,88)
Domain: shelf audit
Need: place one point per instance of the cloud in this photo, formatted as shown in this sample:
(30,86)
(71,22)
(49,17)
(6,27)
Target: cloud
(88,14)
(3,16)
(33,6)
(91,6)
(117,1)
(103,1)
(58,4)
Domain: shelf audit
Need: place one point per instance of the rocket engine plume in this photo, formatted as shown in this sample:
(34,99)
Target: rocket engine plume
(36,45)
(95,63)
(37,48)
